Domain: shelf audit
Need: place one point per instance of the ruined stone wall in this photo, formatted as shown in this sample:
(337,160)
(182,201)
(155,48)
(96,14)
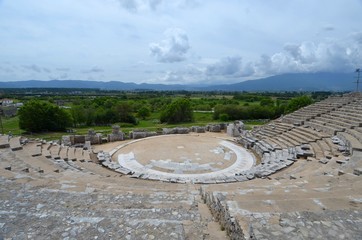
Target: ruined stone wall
(176,130)
(115,137)
(94,139)
(198,129)
(221,213)
(141,134)
(213,128)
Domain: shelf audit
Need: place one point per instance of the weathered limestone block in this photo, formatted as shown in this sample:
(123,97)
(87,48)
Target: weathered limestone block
(182,130)
(233,130)
(77,139)
(116,135)
(214,128)
(137,134)
(357,171)
(166,131)
(87,145)
(176,130)
(66,140)
(223,126)
(94,139)
(198,129)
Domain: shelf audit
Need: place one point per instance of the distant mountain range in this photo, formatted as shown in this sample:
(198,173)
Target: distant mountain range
(287,82)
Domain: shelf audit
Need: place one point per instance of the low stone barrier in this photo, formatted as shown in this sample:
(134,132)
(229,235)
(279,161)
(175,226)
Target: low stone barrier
(197,129)
(176,130)
(213,128)
(105,159)
(137,134)
(221,213)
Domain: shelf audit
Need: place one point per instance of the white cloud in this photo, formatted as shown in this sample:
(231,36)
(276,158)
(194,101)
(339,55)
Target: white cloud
(230,67)
(63,76)
(130,5)
(94,69)
(173,48)
(34,68)
(153,5)
(328,28)
(337,55)
(63,69)
(172,77)
(231,40)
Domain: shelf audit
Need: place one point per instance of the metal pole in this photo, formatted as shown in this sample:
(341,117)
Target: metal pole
(358,71)
(358,79)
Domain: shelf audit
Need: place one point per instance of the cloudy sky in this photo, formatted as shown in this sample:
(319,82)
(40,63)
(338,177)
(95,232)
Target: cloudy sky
(177,41)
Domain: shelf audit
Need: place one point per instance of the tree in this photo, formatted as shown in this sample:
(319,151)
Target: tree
(298,102)
(37,116)
(78,115)
(266,102)
(143,112)
(224,117)
(177,112)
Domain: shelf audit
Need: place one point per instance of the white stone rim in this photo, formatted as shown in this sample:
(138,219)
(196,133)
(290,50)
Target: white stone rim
(244,161)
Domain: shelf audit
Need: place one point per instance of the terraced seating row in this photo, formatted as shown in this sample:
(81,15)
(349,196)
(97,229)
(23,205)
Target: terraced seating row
(300,116)
(270,130)
(56,151)
(353,143)
(321,121)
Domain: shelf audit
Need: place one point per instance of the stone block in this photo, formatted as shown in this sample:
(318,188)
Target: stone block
(357,171)
(324,161)
(214,128)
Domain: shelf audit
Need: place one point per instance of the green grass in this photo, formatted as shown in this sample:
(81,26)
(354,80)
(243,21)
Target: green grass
(11,125)
(249,124)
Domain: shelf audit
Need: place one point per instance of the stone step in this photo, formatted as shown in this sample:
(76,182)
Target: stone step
(4,141)
(353,143)
(15,143)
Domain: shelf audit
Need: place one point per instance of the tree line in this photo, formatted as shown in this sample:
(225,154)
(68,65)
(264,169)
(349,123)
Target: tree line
(43,115)
(266,109)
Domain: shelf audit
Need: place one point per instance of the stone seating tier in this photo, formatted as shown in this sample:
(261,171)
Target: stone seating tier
(4,141)
(309,133)
(290,142)
(294,120)
(35,149)
(318,151)
(347,115)
(63,154)
(71,154)
(356,132)
(352,142)
(340,121)
(276,143)
(302,137)
(55,151)
(272,145)
(15,144)
(304,115)
(321,126)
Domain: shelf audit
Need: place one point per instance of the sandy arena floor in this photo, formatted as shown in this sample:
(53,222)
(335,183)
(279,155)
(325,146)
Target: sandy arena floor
(184,156)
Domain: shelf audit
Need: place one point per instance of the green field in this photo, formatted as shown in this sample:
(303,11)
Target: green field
(151,124)
(99,110)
